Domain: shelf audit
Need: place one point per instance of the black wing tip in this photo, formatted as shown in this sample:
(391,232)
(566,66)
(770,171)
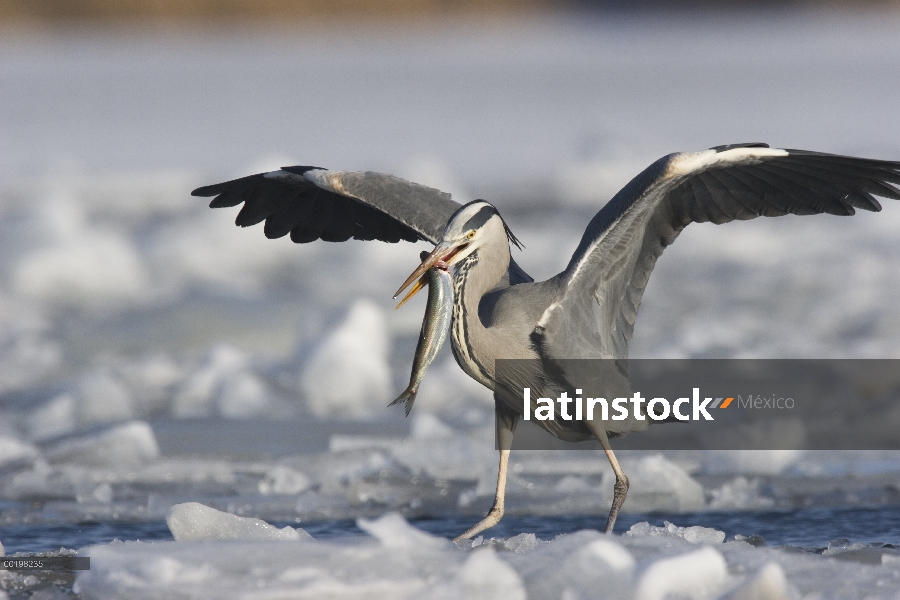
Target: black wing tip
(206,191)
(733,146)
(301,169)
(223,201)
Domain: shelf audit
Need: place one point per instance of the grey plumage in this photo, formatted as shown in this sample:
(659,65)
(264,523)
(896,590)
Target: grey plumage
(336,206)
(589,309)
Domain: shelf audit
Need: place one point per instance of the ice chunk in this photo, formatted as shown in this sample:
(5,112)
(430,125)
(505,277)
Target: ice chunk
(195,396)
(581,565)
(522,542)
(699,574)
(203,249)
(130,443)
(283,480)
(612,553)
(484,575)
(341,442)
(695,534)
(102,398)
(151,379)
(769,583)
(242,395)
(447,390)
(26,357)
(740,493)
(659,484)
(13,450)
(76,262)
(750,462)
(224,385)
(458,457)
(193,521)
(426,426)
(393,531)
(53,418)
(103,494)
(348,374)
(27,354)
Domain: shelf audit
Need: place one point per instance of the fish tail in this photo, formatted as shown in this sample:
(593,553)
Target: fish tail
(409,402)
(408,396)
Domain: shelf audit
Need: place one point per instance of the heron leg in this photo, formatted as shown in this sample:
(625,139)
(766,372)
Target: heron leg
(505,431)
(621,488)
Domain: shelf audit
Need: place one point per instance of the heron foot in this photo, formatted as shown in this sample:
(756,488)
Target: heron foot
(619,492)
(492,518)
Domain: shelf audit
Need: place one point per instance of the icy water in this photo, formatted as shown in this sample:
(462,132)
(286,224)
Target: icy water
(809,528)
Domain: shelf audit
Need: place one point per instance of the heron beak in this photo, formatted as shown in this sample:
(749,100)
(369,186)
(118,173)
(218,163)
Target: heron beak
(422,282)
(440,256)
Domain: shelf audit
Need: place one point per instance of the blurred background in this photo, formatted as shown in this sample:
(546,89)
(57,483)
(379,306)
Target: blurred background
(151,352)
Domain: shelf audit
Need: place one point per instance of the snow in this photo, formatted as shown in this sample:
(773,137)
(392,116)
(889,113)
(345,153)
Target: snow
(699,574)
(484,576)
(769,583)
(400,561)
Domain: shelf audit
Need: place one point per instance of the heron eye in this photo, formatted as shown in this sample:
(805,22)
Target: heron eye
(470,235)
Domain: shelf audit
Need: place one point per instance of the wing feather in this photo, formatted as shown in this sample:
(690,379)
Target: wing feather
(599,293)
(311,203)
(280,223)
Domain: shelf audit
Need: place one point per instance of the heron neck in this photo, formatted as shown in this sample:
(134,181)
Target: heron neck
(471,339)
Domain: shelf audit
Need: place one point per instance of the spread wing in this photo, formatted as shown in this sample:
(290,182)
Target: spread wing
(599,292)
(312,203)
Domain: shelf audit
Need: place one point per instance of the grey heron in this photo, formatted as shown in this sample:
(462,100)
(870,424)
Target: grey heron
(586,311)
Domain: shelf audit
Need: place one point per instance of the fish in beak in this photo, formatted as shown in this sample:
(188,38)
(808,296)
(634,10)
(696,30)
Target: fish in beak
(441,257)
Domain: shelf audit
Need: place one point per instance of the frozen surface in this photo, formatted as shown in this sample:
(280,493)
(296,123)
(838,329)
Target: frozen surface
(153,355)
(399,561)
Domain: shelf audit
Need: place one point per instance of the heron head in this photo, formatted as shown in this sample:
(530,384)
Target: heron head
(473,226)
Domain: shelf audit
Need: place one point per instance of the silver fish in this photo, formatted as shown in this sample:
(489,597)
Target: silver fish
(435,326)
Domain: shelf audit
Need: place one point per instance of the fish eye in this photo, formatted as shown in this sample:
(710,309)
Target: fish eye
(470,235)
